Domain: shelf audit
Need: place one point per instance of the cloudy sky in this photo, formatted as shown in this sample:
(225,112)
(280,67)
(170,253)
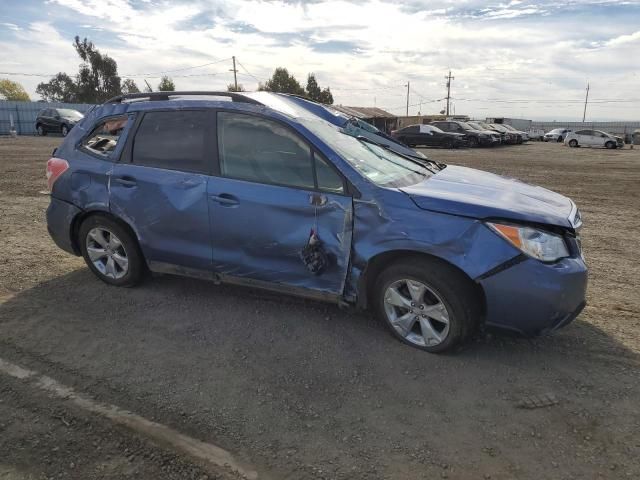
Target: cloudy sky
(515,58)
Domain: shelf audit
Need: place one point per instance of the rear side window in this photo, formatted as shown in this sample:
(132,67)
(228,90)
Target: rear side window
(104,138)
(260,150)
(174,140)
(411,129)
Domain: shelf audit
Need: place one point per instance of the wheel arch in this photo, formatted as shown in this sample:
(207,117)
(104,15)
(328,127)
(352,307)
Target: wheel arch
(84,215)
(376,264)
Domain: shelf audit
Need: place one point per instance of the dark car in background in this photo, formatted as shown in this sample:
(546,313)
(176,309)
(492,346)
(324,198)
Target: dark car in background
(57,120)
(429,135)
(473,137)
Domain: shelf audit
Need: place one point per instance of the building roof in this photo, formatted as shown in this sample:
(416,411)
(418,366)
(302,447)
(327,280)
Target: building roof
(363,112)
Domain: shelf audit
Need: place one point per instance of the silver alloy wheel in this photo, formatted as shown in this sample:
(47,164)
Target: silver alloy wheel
(107,253)
(416,312)
(65,131)
(40,130)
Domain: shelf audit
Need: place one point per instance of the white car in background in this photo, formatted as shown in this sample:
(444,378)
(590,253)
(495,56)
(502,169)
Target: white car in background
(556,135)
(593,138)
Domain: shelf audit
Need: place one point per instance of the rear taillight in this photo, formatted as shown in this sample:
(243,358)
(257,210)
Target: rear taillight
(55,168)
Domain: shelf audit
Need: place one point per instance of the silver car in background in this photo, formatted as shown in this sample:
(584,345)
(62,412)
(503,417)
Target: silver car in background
(593,138)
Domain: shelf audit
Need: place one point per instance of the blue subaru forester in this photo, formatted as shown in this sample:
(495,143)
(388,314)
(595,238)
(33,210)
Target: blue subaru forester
(273,191)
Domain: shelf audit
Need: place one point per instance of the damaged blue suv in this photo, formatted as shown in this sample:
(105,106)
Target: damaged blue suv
(273,191)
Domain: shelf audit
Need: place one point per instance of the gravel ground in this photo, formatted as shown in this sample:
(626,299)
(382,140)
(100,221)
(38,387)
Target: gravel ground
(304,390)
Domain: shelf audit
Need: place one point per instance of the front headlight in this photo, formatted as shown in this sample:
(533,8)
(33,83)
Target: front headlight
(539,244)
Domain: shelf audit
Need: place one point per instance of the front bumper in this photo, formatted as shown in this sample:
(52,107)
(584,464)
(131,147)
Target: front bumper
(60,215)
(533,298)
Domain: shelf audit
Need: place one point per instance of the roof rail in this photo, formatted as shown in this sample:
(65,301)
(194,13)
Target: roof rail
(159,96)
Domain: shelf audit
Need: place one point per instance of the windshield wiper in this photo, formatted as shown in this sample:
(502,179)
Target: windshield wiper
(418,160)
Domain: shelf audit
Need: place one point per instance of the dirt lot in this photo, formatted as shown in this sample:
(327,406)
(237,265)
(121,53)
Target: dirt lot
(303,390)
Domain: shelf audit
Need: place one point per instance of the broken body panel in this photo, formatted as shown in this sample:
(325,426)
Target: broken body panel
(209,226)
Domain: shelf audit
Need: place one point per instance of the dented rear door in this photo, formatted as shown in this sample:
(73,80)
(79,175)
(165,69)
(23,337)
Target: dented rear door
(160,188)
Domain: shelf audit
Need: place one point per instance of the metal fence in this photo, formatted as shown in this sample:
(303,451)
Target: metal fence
(622,129)
(23,114)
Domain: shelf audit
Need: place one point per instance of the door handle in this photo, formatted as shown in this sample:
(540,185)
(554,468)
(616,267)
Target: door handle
(126,181)
(225,199)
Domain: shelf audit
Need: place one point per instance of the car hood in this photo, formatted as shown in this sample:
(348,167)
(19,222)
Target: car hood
(474,193)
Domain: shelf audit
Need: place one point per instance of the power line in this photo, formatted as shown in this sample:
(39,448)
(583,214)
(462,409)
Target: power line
(248,72)
(175,70)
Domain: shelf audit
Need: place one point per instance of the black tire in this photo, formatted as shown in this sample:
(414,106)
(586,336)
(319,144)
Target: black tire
(610,145)
(137,267)
(64,130)
(41,131)
(573,143)
(560,139)
(449,143)
(473,142)
(457,292)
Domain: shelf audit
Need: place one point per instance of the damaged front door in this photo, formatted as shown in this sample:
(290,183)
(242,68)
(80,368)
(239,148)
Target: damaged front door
(279,212)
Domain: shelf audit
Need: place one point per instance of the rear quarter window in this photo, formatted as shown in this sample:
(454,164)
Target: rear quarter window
(104,138)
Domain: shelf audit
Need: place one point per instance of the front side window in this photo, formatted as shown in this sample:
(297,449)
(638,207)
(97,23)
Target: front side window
(328,179)
(261,150)
(173,140)
(104,138)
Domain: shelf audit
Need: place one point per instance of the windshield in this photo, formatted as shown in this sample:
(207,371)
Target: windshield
(68,113)
(377,164)
(508,127)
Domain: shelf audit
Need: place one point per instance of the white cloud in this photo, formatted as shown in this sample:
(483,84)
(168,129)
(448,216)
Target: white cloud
(542,51)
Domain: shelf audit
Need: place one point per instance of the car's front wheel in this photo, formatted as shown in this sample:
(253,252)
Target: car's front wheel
(64,130)
(610,145)
(41,131)
(111,252)
(427,304)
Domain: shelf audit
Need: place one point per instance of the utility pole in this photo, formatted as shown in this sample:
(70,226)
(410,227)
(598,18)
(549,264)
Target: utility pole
(408,98)
(449,78)
(586,99)
(235,71)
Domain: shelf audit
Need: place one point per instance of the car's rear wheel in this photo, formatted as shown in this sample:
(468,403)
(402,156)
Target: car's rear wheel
(41,131)
(449,143)
(610,145)
(111,252)
(427,304)
(473,142)
(573,143)
(64,130)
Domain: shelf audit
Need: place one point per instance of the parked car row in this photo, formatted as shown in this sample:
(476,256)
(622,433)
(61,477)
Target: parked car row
(455,133)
